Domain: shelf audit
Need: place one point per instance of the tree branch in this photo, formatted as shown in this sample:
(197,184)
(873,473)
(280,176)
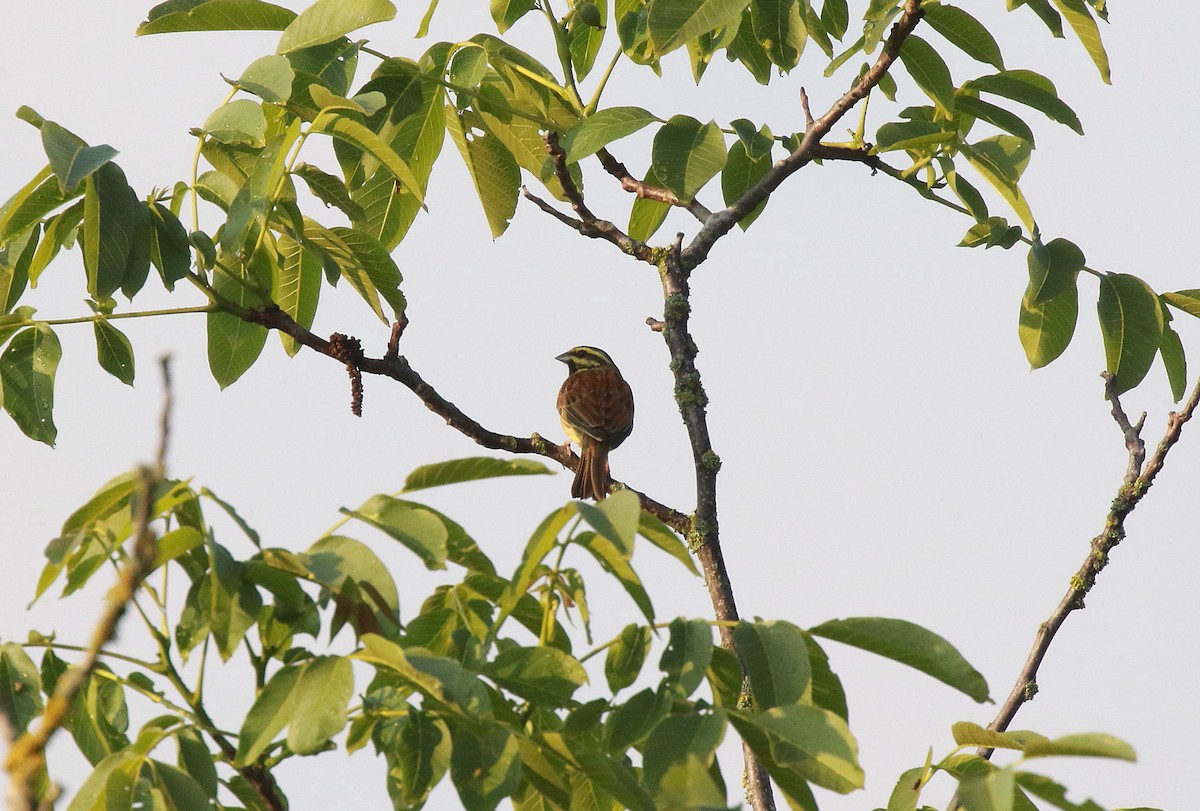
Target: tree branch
(721,222)
(587,224)
(1137,482)
(704,535)
(643,189)
(395,366)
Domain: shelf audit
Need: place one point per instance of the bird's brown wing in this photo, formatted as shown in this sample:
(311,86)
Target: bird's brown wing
(599,404)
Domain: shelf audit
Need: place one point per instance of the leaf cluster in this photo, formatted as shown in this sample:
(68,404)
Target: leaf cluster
(485,684)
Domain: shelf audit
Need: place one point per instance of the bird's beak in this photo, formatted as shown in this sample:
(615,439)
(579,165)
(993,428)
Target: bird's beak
(565,357)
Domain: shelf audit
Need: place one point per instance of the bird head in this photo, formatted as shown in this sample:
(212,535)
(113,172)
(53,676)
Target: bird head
(586,357)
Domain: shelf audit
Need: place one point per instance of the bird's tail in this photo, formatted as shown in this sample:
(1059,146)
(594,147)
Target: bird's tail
(591,479)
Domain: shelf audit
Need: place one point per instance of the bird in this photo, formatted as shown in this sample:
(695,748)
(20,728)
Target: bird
(595,406)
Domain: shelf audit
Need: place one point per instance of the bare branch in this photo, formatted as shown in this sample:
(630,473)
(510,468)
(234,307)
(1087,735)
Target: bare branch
(395,366)
(704,537)
(1132,490)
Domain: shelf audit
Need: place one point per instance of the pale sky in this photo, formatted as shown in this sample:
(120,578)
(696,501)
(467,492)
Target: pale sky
(886,450)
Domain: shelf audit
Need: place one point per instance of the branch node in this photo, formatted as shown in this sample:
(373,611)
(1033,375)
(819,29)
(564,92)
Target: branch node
(654,324)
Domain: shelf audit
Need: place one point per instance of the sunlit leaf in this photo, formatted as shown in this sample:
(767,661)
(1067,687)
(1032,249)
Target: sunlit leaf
(1131,324)
(327,20)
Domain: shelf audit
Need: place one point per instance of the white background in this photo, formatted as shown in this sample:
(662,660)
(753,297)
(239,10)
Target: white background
(886,450)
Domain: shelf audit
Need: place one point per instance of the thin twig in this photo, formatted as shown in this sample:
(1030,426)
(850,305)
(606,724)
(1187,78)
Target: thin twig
(26,758)
(721,222)
(647,190)
(1133,489)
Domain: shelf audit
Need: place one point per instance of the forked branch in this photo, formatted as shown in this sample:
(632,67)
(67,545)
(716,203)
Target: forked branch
(1139,477)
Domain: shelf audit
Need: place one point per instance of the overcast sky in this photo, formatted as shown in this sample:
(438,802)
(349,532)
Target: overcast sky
(886,450)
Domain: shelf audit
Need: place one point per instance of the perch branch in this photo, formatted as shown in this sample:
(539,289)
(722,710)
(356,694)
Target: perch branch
(1138,479)
(395,366)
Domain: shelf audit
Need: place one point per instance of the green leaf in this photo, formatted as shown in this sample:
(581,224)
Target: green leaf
(19,686)
(964,32)
(827,690)
(1131,324)
(241,121)
(897,135)
(624,659)
(616,518)
(835,15)
(382,277)
(233,344)
(687,154)
(779,25)
(1053,267)
(1032,89)
(1173,358)
(330,190)
(1084,25)
(507,12)
(1186,300)
(680,739)
(673,23)
(268,77)
(27,369)
(910,645)
(320,699)
(585,35)
(16,258)
(687,655)
(806,742)
(1001,160)
(110,782)
(929,71)
(647,215)
(975,107)
(273,710)
(1049,17)
(114,352)
(602,128)
(776,661)
(969,734)
(493,170)
(1046,789)
(540,544)
(741,173)
(333,123)
(215,15)
(108,224)
(231,603)
(991,790)
(30,203)
(474,468)
(746,48)
(70,157)
(546,676)
(614,560)
(336,561)
(296,287)
(662,536)
(485,767)
(1090,745)
(1046,329)
(412,525)
(327,20)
